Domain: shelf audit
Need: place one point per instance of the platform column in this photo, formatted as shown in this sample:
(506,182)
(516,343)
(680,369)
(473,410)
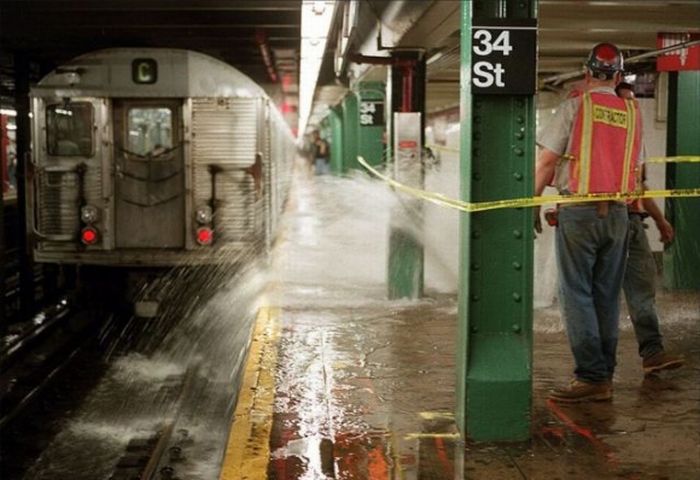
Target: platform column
(350,125)
(325,130)
(494,365)
(4,181)
(23,139)
(2,258)
(370,134)
(682,257)
(336,120)
(406,91)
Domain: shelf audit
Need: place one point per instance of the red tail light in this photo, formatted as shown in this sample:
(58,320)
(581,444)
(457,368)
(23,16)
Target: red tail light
(89,236)
(205,236)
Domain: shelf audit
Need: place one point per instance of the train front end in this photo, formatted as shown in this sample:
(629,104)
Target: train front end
(150,157)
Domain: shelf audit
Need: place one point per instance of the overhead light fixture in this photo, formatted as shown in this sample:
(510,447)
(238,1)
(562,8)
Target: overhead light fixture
(8,112)
(435,57)
(316,19)
(319,7)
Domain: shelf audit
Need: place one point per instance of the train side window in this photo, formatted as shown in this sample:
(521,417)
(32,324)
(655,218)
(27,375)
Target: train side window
(69,130)
(150,130)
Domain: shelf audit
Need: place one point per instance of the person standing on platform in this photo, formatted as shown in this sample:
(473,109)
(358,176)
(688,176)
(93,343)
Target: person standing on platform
(639,283)
(592,145)
(321,157)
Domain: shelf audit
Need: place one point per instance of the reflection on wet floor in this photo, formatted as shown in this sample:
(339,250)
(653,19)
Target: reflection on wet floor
(365,386)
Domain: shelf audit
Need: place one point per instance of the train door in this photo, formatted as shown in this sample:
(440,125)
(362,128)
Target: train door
(149,176)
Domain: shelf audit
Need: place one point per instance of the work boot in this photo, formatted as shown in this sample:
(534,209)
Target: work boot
(662,361)
(582,391)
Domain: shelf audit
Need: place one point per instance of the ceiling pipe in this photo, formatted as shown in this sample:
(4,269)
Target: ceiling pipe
(557,79)
(264,46)
(391,24)
(374,60)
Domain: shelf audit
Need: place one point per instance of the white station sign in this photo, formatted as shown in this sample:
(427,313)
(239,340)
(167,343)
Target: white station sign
(504,58)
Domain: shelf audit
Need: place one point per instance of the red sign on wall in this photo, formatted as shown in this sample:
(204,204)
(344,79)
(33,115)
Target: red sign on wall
(681,59)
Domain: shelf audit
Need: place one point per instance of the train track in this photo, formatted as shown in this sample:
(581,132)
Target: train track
(32,358)
(45,370)
(157,457)
(48,373)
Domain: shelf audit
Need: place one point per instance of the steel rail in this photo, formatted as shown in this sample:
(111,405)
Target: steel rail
(33,393)
(155,459)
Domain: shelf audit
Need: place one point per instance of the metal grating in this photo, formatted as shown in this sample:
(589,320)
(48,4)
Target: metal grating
(58,199)
(224,133)
(213,120)
(58,203)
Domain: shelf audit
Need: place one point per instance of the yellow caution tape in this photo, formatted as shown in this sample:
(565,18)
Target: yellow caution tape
(442,148)
(676,159)
(679,159)
(445,201)
(421,435)
(437,415)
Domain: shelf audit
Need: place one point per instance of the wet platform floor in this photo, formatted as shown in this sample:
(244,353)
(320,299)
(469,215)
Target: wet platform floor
(364,388)
(360,396)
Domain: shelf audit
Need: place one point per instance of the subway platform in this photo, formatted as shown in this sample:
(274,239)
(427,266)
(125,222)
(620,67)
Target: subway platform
(342,383)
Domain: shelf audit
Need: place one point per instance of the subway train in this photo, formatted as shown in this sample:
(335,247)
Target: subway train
(148,157)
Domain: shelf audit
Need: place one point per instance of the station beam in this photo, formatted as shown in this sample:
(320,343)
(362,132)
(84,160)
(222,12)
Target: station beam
(494,365)
(682,257)
(23,149)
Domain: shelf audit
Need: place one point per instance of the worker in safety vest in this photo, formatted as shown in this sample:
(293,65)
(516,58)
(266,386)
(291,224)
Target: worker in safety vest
(592,145)
(639,283)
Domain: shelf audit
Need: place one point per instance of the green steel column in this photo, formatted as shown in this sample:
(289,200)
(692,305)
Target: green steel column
(325,130)
(350,125)
(682,257)
(371,122)
(336,120)
(494,378)
(406,257)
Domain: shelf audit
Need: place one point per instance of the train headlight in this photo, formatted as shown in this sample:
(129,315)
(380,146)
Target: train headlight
(203,215)
(89,236)
(89,214)
(205,236)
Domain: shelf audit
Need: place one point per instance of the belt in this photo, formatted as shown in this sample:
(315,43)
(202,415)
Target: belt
(602,207)
(641,215)
(593,204)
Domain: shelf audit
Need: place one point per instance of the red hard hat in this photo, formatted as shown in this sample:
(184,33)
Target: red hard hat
(605,60)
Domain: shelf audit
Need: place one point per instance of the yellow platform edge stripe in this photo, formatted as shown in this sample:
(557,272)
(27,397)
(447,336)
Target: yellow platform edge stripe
(420,435)
(471,207)
(672,159)
(248,448)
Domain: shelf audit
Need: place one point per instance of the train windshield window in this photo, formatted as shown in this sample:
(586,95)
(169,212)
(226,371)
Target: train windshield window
(150,130)
(69,129)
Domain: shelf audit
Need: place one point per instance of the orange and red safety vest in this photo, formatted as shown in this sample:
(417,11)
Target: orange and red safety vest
(604,146)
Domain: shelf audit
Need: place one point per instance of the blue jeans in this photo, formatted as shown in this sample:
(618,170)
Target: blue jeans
(591,254)
(640,290)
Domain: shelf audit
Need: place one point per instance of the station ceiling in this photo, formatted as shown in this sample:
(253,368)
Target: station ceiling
(53,31)
(236,31)
(567,29)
